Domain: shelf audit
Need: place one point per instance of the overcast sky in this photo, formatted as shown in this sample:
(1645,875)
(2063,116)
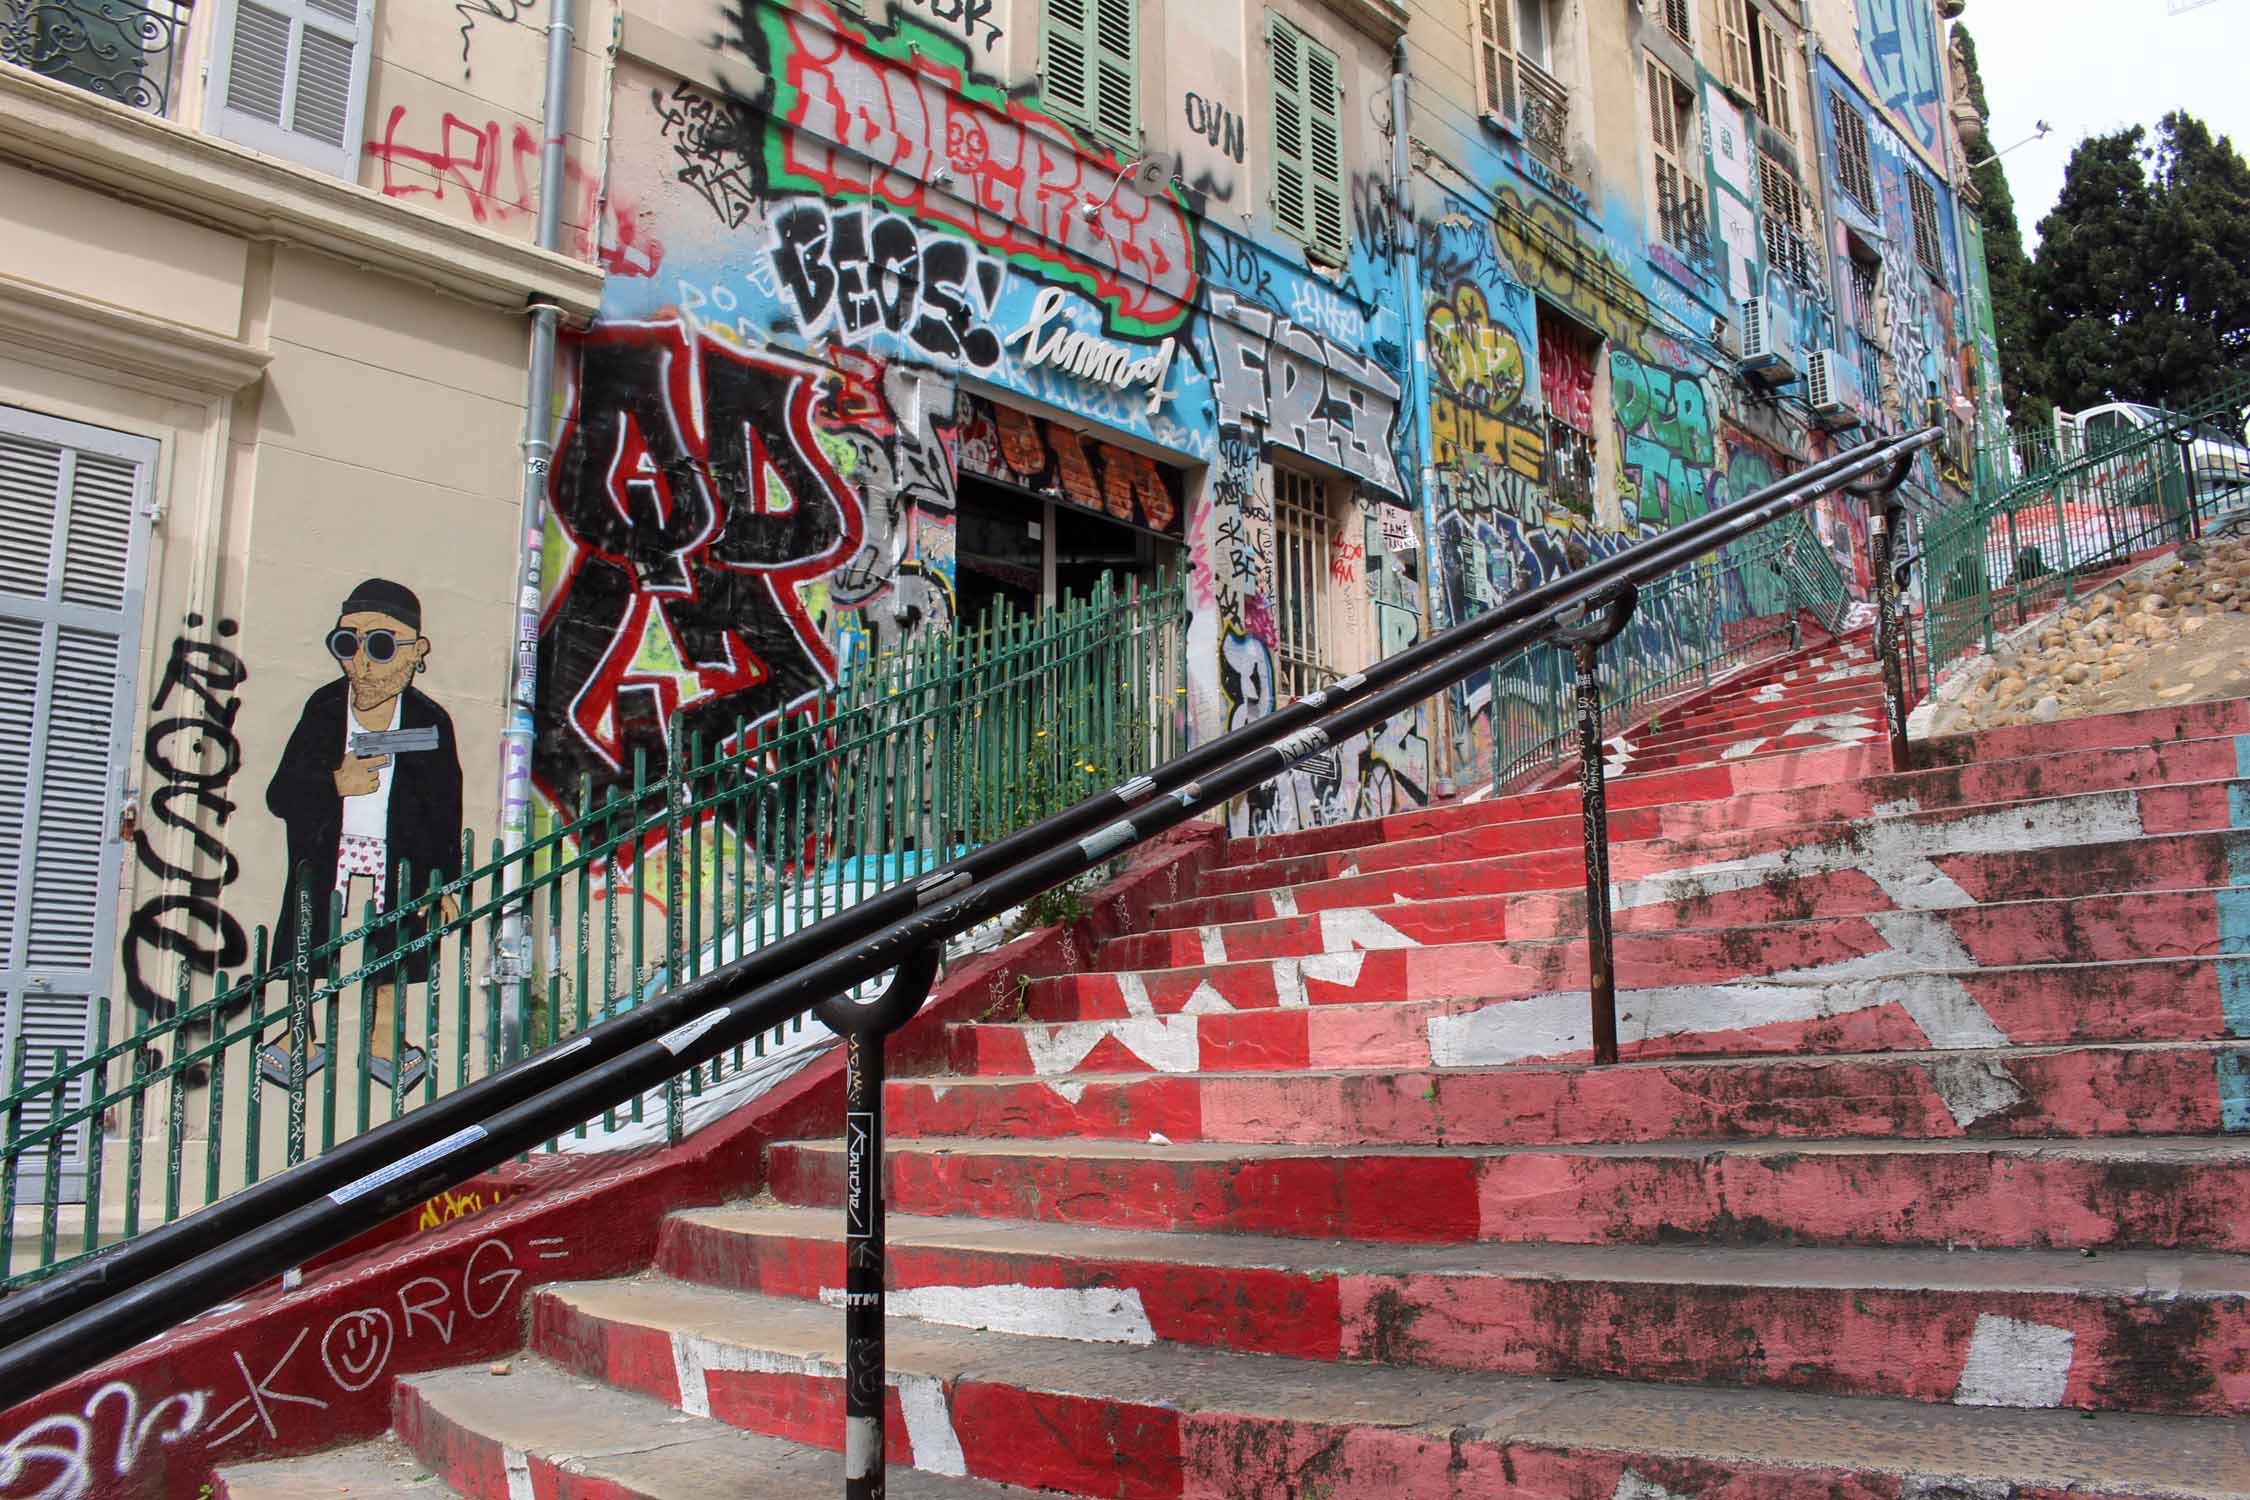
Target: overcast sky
(2091,66)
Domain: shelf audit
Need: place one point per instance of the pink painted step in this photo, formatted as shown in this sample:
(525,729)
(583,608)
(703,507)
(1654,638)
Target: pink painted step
(2077,1092)
(1495,900)
(2144,1000)
(1483,861)
(1900,1323)
(1544,896)
(1134,1420)
(539,1433)
(1393,965)
(2180,1193)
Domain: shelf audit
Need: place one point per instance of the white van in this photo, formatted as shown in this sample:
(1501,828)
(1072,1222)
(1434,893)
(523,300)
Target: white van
(2218,459)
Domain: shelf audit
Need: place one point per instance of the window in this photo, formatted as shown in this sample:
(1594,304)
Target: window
(1734,45)
(1303,535)
(1678,22)
(1785,216)
(1496,49)
(1853,171)
(1679,195)
(289,78)
(73,547)
(1308,141)
(1771,60)
(1928,248)
(1531,33)
(1866,277)
(1088,71)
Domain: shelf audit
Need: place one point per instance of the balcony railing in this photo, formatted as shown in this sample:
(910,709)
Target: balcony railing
(119,50)
(1546,116)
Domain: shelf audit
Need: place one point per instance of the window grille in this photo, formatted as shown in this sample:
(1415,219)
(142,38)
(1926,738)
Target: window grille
(1864,278)
(1304,535)
(1928,248)
(1854,172)
(1788,250)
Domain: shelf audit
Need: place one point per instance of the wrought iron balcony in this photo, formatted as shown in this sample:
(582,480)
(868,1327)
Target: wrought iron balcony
(114,48)
(1546,115)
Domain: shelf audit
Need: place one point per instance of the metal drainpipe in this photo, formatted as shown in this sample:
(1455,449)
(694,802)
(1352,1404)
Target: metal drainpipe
(1406,260)
(511,958)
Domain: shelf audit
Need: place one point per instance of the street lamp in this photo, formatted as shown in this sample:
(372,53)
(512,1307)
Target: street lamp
(2039,133)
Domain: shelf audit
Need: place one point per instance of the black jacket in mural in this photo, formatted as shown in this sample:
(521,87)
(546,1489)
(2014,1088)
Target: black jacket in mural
(423,827)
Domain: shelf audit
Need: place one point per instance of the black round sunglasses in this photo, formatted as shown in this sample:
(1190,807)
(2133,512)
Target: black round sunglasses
(381,645)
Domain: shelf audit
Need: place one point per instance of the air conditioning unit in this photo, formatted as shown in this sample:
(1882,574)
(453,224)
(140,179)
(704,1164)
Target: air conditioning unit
(1832,386)
(1766,354)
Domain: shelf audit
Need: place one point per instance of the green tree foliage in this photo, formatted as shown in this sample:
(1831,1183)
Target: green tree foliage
(2139,290)
(2007,267)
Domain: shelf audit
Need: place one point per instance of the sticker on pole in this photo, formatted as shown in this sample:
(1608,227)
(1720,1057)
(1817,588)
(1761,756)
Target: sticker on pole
(859,1148)
(406,1166)
(680,1038)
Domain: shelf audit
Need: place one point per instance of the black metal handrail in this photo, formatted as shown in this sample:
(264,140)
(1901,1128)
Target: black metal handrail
(66,1326)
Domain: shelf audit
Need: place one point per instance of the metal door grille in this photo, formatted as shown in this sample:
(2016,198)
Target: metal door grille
(1302,539)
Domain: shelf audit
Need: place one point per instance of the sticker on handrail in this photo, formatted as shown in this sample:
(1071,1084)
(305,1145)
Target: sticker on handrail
(1304,743)
(1186,795)
(1351,684)
(680,1038)
(1136,789)
(937,887)
(1101,842)
(407,1165)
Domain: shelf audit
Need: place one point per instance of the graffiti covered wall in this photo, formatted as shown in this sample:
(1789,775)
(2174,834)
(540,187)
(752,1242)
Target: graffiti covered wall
(892,269)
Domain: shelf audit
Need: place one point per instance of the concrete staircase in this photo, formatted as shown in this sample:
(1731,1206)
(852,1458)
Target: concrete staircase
(1924,1177)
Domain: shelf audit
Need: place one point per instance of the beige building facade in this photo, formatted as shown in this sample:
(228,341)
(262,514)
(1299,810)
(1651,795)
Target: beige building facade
(263,337)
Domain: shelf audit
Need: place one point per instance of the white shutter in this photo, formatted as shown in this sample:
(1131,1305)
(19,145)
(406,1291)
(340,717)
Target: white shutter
(1497,48)
(73,544)
(1776,100)
(1734,44)
(289,77)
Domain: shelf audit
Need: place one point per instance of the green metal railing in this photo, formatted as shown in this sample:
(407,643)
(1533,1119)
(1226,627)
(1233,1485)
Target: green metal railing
(2020,545)
(1744,602)
(912,759)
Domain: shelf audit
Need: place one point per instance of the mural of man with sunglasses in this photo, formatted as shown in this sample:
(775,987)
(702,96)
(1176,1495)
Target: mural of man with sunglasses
(369,788)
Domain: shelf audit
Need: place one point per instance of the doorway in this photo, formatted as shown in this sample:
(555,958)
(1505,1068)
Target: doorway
(1036,552)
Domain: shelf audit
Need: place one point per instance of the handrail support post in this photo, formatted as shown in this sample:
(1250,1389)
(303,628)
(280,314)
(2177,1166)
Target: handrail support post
(866,1029)
(1602,621)
(1883,527)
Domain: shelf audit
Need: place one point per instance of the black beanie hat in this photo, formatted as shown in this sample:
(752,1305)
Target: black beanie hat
(385,597)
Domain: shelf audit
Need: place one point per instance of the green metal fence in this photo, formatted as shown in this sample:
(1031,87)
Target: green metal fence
(1741,603)
(2021,545)
(911,760)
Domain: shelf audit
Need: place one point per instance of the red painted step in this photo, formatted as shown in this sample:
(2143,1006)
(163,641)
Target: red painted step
(1131,1420)
(2180,1192)
(1913,1324)
(2082,1092)
(2145,1000)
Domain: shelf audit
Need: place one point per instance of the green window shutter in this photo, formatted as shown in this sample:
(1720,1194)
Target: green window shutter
(1091,72)
(1308,141)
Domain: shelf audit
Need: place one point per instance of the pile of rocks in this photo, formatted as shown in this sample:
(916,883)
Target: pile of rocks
(2114,634)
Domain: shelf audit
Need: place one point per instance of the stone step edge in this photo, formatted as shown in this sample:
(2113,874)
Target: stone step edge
(1943,813)
(1211,1407)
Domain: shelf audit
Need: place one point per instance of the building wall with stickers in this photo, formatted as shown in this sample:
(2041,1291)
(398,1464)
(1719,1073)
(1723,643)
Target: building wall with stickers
(920,277)
(1605,199)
